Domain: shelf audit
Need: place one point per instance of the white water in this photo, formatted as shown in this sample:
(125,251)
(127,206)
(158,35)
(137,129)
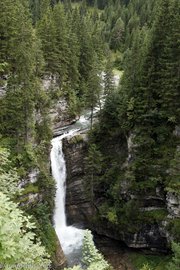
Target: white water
(69,236)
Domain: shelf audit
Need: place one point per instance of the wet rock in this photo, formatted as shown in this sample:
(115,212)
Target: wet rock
(173,204)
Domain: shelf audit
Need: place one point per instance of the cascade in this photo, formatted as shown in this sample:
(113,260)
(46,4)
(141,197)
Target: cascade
(69,236)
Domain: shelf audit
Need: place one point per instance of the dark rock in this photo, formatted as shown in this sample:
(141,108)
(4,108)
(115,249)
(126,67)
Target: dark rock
(78,207)
(173,204)
(81,212)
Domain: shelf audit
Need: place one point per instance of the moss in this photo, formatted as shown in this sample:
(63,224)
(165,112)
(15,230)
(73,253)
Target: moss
(76,139)
(30,189)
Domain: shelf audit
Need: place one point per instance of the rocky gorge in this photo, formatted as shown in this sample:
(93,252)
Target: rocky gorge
(79,209)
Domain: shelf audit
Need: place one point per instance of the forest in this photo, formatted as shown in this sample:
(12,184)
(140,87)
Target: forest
(66,54)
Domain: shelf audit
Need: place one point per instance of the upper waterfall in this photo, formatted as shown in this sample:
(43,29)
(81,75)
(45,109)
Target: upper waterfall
(59,173)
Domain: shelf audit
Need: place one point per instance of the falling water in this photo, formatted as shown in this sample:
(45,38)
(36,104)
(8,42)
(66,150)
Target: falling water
(69,236)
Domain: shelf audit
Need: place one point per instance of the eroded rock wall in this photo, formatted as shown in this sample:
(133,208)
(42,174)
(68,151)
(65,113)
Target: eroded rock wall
(78,207)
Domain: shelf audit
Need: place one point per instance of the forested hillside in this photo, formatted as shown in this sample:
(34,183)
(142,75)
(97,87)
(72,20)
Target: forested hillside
(138,139)
(55,59)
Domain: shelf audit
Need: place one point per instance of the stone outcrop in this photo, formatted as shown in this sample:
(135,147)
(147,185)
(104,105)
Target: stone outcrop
(173,204)
(3,85)
(59,112)
(60,117)
(149,237)
(78,206)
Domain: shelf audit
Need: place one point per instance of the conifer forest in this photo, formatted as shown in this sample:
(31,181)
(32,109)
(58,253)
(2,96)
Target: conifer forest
(90,135)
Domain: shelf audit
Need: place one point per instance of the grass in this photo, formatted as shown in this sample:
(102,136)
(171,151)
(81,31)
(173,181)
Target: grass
(30,189)
(155,262)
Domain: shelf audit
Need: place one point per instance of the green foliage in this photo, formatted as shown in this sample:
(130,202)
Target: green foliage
(76,139)
(8,175)
(30,189)
(149,262)
(121,19)
(93,167)
(91,256)
(108,77)
(44,229)
(17,239)
(155,215)
(92,259)
(146,267)
(142,115)
(175,264)
(174,228)
(174,173)
(90,253)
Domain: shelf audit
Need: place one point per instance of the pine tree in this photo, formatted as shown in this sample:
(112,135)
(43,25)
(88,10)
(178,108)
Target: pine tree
(93,168)
(108,77)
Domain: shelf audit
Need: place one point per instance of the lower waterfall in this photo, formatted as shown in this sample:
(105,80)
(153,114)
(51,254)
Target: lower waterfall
(69,236)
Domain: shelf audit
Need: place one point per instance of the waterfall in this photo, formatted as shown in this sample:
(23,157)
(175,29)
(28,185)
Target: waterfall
(69,236)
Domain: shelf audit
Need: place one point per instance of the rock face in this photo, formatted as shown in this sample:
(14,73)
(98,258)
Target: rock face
(152,235)
(78,206)
(59,112)
(60,117)
(3,85)
(173,204)
(149,237)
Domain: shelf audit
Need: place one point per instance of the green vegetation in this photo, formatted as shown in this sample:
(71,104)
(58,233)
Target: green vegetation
(175,263)
(92,259)
(30,189)
(149,262)
(154,262)
(76,139)
(133,150)
(17,239)
(136,135)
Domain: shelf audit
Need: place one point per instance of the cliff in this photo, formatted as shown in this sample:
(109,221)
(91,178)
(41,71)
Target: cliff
(149,227)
